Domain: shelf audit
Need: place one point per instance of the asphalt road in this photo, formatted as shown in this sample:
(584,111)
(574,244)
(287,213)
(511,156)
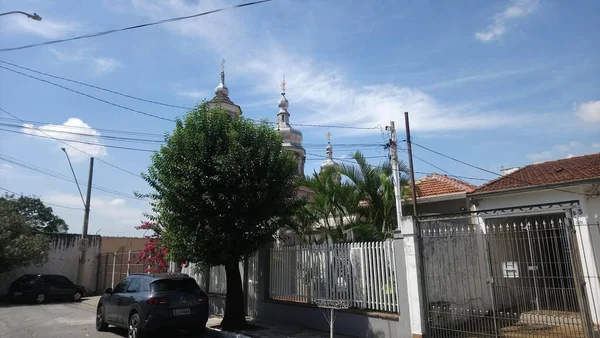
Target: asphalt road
(55,320)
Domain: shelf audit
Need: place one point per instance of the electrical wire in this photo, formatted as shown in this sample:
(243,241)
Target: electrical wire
(164,104)
(70,146)
(81,142)
(114,131)
(489,171)
(97,87)
(91,96)
(92,35)
(60,176)
(52,204)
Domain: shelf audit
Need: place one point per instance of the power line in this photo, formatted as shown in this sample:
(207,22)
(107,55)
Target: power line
(115,131)
(70,146)
(97,87)
(91,96)
(161,103)
(60,176)
(489,171)
(52,204)
(82,142)
(86,36)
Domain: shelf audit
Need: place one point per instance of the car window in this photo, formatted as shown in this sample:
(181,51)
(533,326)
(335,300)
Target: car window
(134,286)
(121,287)
(185,285)
(57,280)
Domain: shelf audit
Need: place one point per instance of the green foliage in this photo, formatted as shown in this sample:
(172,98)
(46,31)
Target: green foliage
(34,213)
(222,187)
(20,245)
(360,207)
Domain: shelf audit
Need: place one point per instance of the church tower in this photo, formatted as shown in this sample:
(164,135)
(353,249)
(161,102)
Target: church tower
(221,99)
(329,163)
(292,138)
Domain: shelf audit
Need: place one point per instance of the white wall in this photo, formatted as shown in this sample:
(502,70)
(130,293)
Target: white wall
(63,259)
(588,235)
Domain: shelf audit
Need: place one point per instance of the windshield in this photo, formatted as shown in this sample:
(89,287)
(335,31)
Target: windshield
(183,285)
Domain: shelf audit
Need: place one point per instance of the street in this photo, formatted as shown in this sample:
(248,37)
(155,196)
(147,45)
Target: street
(54,320)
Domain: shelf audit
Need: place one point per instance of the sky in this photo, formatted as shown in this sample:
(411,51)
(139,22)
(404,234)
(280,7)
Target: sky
(497,84)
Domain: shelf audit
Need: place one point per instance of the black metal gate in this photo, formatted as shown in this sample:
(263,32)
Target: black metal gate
(504,274)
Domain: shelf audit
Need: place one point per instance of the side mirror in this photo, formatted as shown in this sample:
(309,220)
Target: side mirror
(108,290)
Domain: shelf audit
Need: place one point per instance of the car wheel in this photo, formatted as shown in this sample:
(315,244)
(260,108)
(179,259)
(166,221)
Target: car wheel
(40,298)
(77,296)
(134,329)
(100,323)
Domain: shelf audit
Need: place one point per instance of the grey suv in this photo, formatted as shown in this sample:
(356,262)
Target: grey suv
(148,302)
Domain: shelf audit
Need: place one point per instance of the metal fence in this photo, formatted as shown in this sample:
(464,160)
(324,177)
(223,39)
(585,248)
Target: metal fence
(363,274)
(114,266)
(511,276)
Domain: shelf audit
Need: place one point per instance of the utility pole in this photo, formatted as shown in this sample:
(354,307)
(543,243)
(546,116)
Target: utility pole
(395,171)
(413,185)
(86,218)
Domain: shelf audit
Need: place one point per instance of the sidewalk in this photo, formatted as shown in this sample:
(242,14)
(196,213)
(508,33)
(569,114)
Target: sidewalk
(269,330)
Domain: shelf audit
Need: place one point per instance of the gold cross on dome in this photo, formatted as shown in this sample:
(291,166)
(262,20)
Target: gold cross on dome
(223,65)
(328,135)
(283,84)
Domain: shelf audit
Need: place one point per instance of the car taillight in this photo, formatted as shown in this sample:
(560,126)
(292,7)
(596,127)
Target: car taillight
(158,300)
(202,299)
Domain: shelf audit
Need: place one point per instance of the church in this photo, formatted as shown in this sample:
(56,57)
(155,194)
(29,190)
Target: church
(292,137)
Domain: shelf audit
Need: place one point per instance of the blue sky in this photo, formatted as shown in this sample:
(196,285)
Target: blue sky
(498,83)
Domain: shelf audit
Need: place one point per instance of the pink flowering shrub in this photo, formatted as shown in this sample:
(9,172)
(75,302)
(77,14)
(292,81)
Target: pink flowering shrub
(154,255)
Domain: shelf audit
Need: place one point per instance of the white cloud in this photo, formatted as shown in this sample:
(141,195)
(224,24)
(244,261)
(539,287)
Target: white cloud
(321,92)
(544,155)
(100,65)
(117,201)
(107,216)
(515,9)
(105,65)
(588,111)
(558,151)
(5,169)
(596,145)
(47,28)
(71,130)
(192,94)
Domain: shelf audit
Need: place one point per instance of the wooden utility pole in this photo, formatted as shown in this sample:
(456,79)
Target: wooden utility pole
(395,171)
(413,185)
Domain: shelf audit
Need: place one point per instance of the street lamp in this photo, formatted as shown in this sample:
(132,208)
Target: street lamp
(33,16)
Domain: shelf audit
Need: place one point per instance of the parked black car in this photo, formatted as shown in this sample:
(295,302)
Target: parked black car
(40,288)
(148,302)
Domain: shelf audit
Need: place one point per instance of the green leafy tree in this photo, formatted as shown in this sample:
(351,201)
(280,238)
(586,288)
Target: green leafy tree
(35,213)
(20,245)
(222,188)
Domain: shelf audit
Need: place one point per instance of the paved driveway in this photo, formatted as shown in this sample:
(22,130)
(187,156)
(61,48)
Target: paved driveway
(55,320)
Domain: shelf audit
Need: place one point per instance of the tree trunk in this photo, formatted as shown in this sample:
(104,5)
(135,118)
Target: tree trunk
(234,318)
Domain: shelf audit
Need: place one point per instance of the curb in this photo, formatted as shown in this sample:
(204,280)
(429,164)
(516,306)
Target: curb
(223,334)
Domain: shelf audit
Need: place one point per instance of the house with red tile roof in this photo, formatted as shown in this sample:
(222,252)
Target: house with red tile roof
(535,217)
(574,179)
(438,194)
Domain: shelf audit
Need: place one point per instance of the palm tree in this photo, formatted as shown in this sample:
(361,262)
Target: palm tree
(364,203)
(375,185)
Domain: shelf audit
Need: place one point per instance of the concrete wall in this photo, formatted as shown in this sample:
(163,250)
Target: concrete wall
(63,259)
(114,244)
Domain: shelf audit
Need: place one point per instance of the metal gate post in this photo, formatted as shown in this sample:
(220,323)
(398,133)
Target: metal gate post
(584,307)
(490,283)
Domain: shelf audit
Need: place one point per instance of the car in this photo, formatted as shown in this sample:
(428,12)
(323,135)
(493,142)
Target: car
(142,303)
(40,288)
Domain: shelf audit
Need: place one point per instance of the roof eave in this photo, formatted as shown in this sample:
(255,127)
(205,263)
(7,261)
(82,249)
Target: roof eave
(533,188)
(438,198)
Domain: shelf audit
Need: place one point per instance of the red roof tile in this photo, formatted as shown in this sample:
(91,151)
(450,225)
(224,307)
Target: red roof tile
(547,173)
(436,185)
